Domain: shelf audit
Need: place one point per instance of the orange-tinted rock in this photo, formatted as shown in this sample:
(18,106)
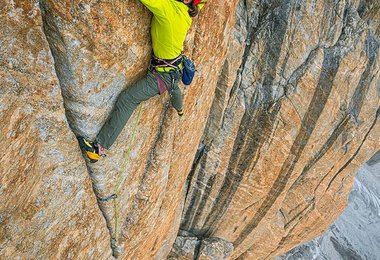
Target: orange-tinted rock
(282,112)
(102,48)
(276,167)
(48,208)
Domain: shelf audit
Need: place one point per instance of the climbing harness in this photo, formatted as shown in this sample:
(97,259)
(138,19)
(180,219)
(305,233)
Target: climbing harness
(162,87)
(181,64)
(161,84)
(163,65)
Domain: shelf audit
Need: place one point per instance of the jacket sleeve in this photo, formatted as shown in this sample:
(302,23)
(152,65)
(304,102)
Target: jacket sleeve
(157,7)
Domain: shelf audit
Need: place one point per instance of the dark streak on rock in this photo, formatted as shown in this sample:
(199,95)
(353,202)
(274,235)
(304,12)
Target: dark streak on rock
(356,152)
(371,49)
(309,207)
(247,146)
(206,194)
(301,70)
(196,204)
(329,69)
(354,108)
(200,161)
(257,123)
(216,112)
(215,120)
(356,103)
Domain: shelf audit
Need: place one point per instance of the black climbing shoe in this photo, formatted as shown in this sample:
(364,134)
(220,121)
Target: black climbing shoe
(90,148)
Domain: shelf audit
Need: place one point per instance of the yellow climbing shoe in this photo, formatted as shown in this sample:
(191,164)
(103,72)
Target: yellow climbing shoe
(90,148)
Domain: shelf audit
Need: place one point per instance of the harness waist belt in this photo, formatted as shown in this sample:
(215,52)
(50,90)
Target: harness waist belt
(163,65)
(167,68)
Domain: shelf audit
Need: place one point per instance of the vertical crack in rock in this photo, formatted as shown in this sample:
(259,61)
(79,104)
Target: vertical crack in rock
(64,74)
(198,156)
(61,64)
(196,200)
(197,250)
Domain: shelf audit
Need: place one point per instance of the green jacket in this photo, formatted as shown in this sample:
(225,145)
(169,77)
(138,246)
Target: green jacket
(170,24)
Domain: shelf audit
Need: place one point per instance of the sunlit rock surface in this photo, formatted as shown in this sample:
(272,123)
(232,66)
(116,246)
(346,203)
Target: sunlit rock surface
(48,208)
(281,146)
(100,48)
(283,111)
(355,234)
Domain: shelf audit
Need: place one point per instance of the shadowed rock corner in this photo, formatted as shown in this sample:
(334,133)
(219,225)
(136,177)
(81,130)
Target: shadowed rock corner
(188,247)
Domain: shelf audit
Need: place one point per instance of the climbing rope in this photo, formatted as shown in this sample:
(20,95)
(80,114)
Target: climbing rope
(120,177)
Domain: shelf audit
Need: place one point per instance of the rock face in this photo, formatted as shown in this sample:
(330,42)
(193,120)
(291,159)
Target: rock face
(186,246)
(283,111)
(48,208)
(277,157)
(354,235)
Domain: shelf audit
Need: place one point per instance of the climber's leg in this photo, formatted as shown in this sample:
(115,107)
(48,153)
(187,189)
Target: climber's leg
(126,103)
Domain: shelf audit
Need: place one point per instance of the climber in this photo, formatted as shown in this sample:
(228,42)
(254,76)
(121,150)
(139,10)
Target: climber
(170,22)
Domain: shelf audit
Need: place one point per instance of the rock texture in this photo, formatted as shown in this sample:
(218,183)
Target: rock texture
(283,111)
(99,49)
(48,208)
(280,148)
(186,246)
(354,235)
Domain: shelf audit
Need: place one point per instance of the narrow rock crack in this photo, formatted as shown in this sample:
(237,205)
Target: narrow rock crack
(48,33)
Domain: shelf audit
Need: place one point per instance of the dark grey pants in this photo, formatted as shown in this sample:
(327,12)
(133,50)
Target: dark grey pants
(130,98)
